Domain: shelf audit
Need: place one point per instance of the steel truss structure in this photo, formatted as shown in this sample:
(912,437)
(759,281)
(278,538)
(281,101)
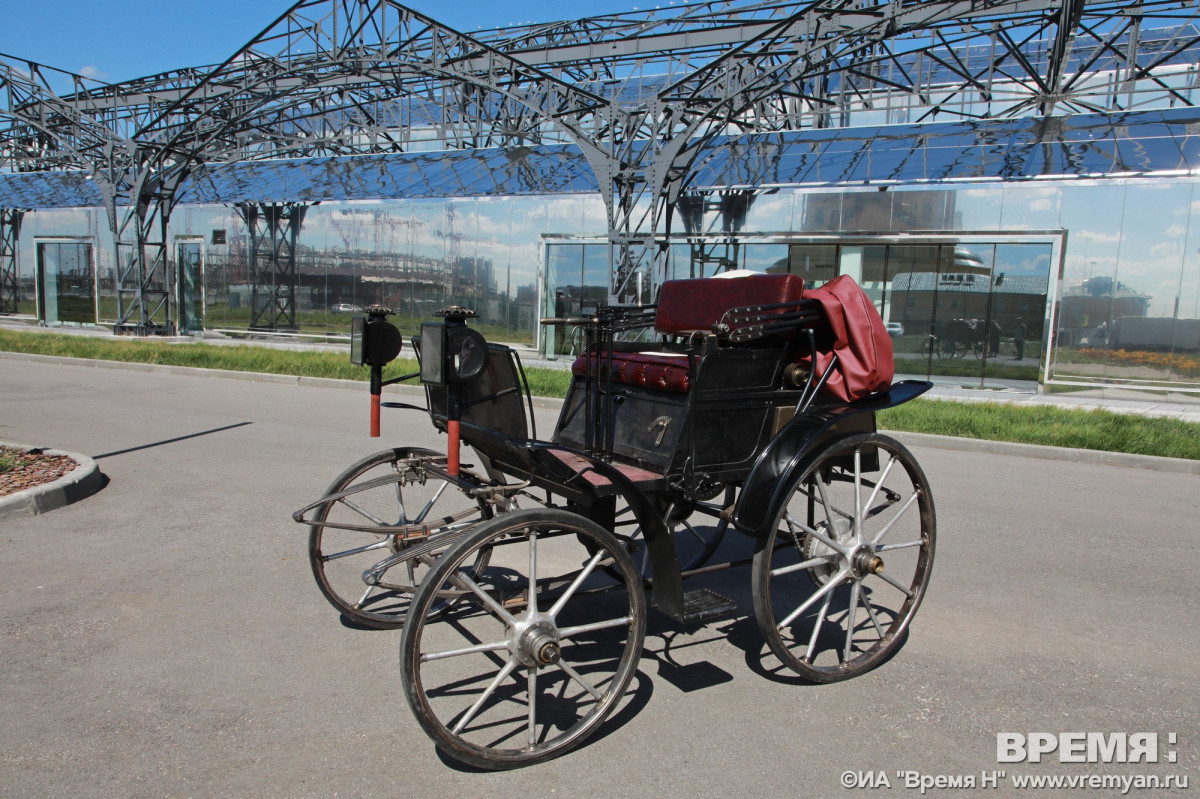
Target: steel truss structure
(10,239)
(273,228)
(641,94)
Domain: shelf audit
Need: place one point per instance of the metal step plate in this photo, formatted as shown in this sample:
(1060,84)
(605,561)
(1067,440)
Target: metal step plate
(704,603)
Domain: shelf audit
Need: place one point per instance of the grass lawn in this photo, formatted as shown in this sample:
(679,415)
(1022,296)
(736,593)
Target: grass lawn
(1099,430)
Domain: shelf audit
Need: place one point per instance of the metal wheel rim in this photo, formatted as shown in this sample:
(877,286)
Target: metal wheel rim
(861,632)
(515,658)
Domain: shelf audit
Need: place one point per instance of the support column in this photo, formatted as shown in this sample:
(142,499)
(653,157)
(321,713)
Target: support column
(274,229)
(10,236)
(143,276)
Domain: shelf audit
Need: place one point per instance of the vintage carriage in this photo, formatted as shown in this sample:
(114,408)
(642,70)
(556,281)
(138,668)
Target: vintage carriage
(522,578)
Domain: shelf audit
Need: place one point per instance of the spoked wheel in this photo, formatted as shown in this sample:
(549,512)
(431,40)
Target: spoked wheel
(363,565)
(696,529)
(540,648)
(838,578)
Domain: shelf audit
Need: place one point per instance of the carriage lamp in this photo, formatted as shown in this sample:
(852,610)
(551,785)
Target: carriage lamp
(452,354)
(375,342)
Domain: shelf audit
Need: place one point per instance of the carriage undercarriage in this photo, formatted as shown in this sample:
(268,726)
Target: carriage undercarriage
(522,570)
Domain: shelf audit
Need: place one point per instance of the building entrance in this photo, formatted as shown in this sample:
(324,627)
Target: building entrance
(66,282)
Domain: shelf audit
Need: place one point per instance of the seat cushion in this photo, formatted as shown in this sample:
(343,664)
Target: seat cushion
(688,306)
(663,371)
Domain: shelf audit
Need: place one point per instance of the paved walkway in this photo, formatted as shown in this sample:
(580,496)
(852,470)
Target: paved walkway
(165,636)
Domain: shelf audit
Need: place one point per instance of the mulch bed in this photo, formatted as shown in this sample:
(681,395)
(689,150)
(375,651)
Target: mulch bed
(30,469)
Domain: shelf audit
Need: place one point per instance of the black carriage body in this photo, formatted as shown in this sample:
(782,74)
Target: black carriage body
(741,398)
(669,424)
(710,434)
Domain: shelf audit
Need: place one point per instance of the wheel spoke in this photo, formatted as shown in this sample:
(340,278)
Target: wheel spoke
(806,604)
(871,613)
(807,564)
(878,485)
(583,575)
(466,650)
(508,669)
(854,589)
(822,490)
(531,682)
(371,517)
(907,504)
(905,545)
(533,590)
(428,505)
(461,580)
(695,534)
(577,677)
(858,507)
(363,598)
(890,580)
(812,639)
(566,633)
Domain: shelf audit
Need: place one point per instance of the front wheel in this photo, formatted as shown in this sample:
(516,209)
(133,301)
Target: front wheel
(539,649)
(384,521)
(840,574)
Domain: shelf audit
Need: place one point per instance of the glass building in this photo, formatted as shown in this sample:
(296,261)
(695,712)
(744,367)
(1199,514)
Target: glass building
(1064,250)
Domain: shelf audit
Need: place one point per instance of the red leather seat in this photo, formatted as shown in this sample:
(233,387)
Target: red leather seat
(693,306)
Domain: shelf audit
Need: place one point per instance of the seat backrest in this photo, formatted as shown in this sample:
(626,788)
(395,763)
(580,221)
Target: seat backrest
(696,304)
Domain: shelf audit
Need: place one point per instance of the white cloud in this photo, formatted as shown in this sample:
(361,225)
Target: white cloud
(93,72)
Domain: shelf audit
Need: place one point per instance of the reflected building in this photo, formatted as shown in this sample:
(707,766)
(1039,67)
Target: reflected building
(1077,234)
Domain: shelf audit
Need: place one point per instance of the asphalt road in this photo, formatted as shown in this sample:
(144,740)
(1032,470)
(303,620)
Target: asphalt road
(165,637)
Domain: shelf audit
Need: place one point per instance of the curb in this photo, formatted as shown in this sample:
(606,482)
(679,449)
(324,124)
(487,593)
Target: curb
(1151,462)
(81,482)
(1123,459)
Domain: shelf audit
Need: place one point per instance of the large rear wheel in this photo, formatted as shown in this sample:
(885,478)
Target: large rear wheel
(840,575)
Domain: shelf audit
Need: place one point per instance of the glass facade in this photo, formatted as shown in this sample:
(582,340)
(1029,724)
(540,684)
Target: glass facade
(1101,276)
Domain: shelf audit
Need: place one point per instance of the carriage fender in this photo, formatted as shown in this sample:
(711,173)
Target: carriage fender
(766,487)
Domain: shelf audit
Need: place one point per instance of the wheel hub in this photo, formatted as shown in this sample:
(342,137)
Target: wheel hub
(867,562)
(538,645)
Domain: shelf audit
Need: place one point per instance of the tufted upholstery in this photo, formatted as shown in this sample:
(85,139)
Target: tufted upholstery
(648,369)
(689,306)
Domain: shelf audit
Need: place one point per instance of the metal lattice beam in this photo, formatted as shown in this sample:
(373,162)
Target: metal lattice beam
(641,93)
(10,237)
(274,229)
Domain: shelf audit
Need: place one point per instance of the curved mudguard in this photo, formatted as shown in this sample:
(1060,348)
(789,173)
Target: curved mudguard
(765,490)
(664,565)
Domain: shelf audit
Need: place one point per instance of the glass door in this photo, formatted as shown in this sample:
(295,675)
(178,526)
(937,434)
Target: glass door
(191,282)
(66,282)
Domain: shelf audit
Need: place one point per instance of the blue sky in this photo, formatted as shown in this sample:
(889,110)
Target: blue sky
(117,40)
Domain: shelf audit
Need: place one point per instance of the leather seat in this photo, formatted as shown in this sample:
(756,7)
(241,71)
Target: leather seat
(687,307)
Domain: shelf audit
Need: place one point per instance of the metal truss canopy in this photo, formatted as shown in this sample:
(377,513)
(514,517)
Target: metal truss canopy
(641,93)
